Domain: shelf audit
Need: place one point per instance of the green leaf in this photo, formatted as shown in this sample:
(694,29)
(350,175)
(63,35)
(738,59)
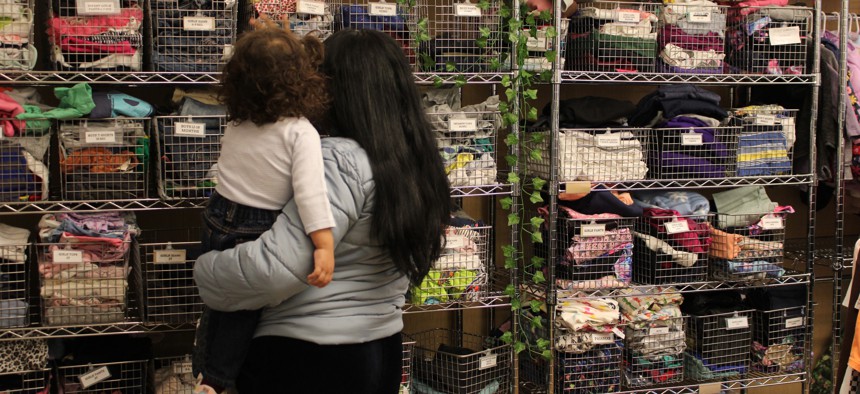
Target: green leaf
(510,94)
(533,114)
(506,81)
(505,12)
(438,81)
(535,306)
(530,94)
(507,337)
(506,203)
(546,75)
(536,222)
(484,5)
(535,197)
(515,24)
(543,344)
(538,138)
(538,277)
(525,74)
(510,118)
(485,31)
(550,56)
(551,32)
(537,322)
(546,354)
(511,139)
(513,218)
(450,67)
(511,159)
(514,38)
(515,304)
(510,291)
(538,262)
(533,31)
(537,237)
(495,64)
(519,347)
(538,183)
(530,21)
(460,81)
(481,42)
(545,15)
(503,107)
(510,264)
(535,155)
(513,178)
(508,250)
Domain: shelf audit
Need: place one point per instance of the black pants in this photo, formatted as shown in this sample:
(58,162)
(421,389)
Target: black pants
(280,365)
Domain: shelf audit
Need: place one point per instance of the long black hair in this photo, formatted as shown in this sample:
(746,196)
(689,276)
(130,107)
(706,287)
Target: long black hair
(375,102)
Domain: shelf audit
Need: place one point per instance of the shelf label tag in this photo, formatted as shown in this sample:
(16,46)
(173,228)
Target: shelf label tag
(189,129)
(462,124)
(98,7)
(676,227)
(68,257)
(169,256)
(310,7)
(577,187)
(734,323)
(537,43)
(488,361)
(699,17)
(592,230)
(90,378)
(603,338)
(765,120)
(608,140)
(617,331)
(691,139)
(100,137)
(794,322)
(466,10)
(198,23)
(383,9)
(784,35)
(710,388)
(182,368)
(2,130)
(772,223)
(628,16)
(455,241)
(658,331)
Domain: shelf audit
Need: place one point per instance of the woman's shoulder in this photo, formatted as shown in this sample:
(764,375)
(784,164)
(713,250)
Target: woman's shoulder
(349,157)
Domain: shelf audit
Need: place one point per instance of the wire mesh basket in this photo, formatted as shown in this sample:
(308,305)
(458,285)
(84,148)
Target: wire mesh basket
(461,273)
(594,253)
(25,160)
(462,36)
(695,153)
(193,36)
(594,371)
(692,38)
(455,362)
(597,155)
(406,379)
(671,249)
(16,36)
(467,143)
(539,44)
(188,151)
(613,36)
(769,40)
(766,140)
(654,352)
(14,284)
(104,159)
(718,346)
(25,382)
(400,22)
(779,339)
(170,294)
(173,375)
(314,18)
(127,377)
(747,246)
(96,35)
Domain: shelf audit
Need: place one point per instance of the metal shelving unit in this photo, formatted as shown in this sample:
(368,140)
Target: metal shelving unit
(703,79)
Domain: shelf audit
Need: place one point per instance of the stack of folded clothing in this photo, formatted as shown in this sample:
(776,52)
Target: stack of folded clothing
(319,26)
(670,101)
(692,37)
(779,335)
(588,351)
(612,40)
(752,47)
(18,51)
(397,26)
(654,340)
(718,335)
(106,39)
(671,246)
(193,35)
(767,135)
(83,264)
(14,309)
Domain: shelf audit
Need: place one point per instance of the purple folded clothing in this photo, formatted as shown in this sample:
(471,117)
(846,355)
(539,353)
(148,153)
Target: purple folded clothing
(665,68)
(674,165)
(671,34)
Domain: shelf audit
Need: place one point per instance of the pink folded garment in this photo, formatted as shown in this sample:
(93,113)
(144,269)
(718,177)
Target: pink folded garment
(129,19)
(79,45)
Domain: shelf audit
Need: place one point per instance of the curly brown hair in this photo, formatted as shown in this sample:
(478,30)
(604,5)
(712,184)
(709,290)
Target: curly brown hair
(273,75)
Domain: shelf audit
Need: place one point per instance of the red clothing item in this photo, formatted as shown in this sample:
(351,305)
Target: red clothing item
(697,240)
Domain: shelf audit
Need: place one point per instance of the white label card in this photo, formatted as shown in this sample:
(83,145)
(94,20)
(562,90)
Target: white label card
(488,361)
(772,223)
(455,241)
(169,256)
(699,17)
(310,7)
(784,35)
(383,9)
(198,23)
(628,16)
(765,120)
(466,10)
(603,338)
(189,129)
(98,7)
(608,140)
(691,139)
(462,124)
(537,43)
(2,133)
(592,230)
(68,257)
(100,137)
(90,378)
(794,322)
(734,323)
(676,227)
(658,331)
(620,334)
(182,368)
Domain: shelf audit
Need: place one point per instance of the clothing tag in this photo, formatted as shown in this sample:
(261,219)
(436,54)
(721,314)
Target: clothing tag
(68,257)
(734,323)
(765,120)
(794,322)
(466,10)
(608,140)
(602,338)
(169,256)
(772,223)
(577,187)
(628,16)
(100,137)
(676,227)
(592,230)
(461,124)
(198,23)
(98,7)
(784,35)
(310,7)
(658,330)
(189,129)
(617,331)
(691,139)
(90,378)
(182,368)
(454,241)
(488,361)
(383,9)
(699,17)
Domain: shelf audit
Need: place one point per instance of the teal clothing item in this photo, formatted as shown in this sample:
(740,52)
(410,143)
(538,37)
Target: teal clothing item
(742,206)
(35,126)
(75,102)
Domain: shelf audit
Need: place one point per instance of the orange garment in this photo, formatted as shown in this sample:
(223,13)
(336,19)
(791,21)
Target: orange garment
(624,197)
(98,160)
(724,245)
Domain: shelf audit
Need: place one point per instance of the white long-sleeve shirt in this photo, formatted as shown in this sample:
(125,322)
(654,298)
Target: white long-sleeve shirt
(267,166)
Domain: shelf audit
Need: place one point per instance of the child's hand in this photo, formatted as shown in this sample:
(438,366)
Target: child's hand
(323,268)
